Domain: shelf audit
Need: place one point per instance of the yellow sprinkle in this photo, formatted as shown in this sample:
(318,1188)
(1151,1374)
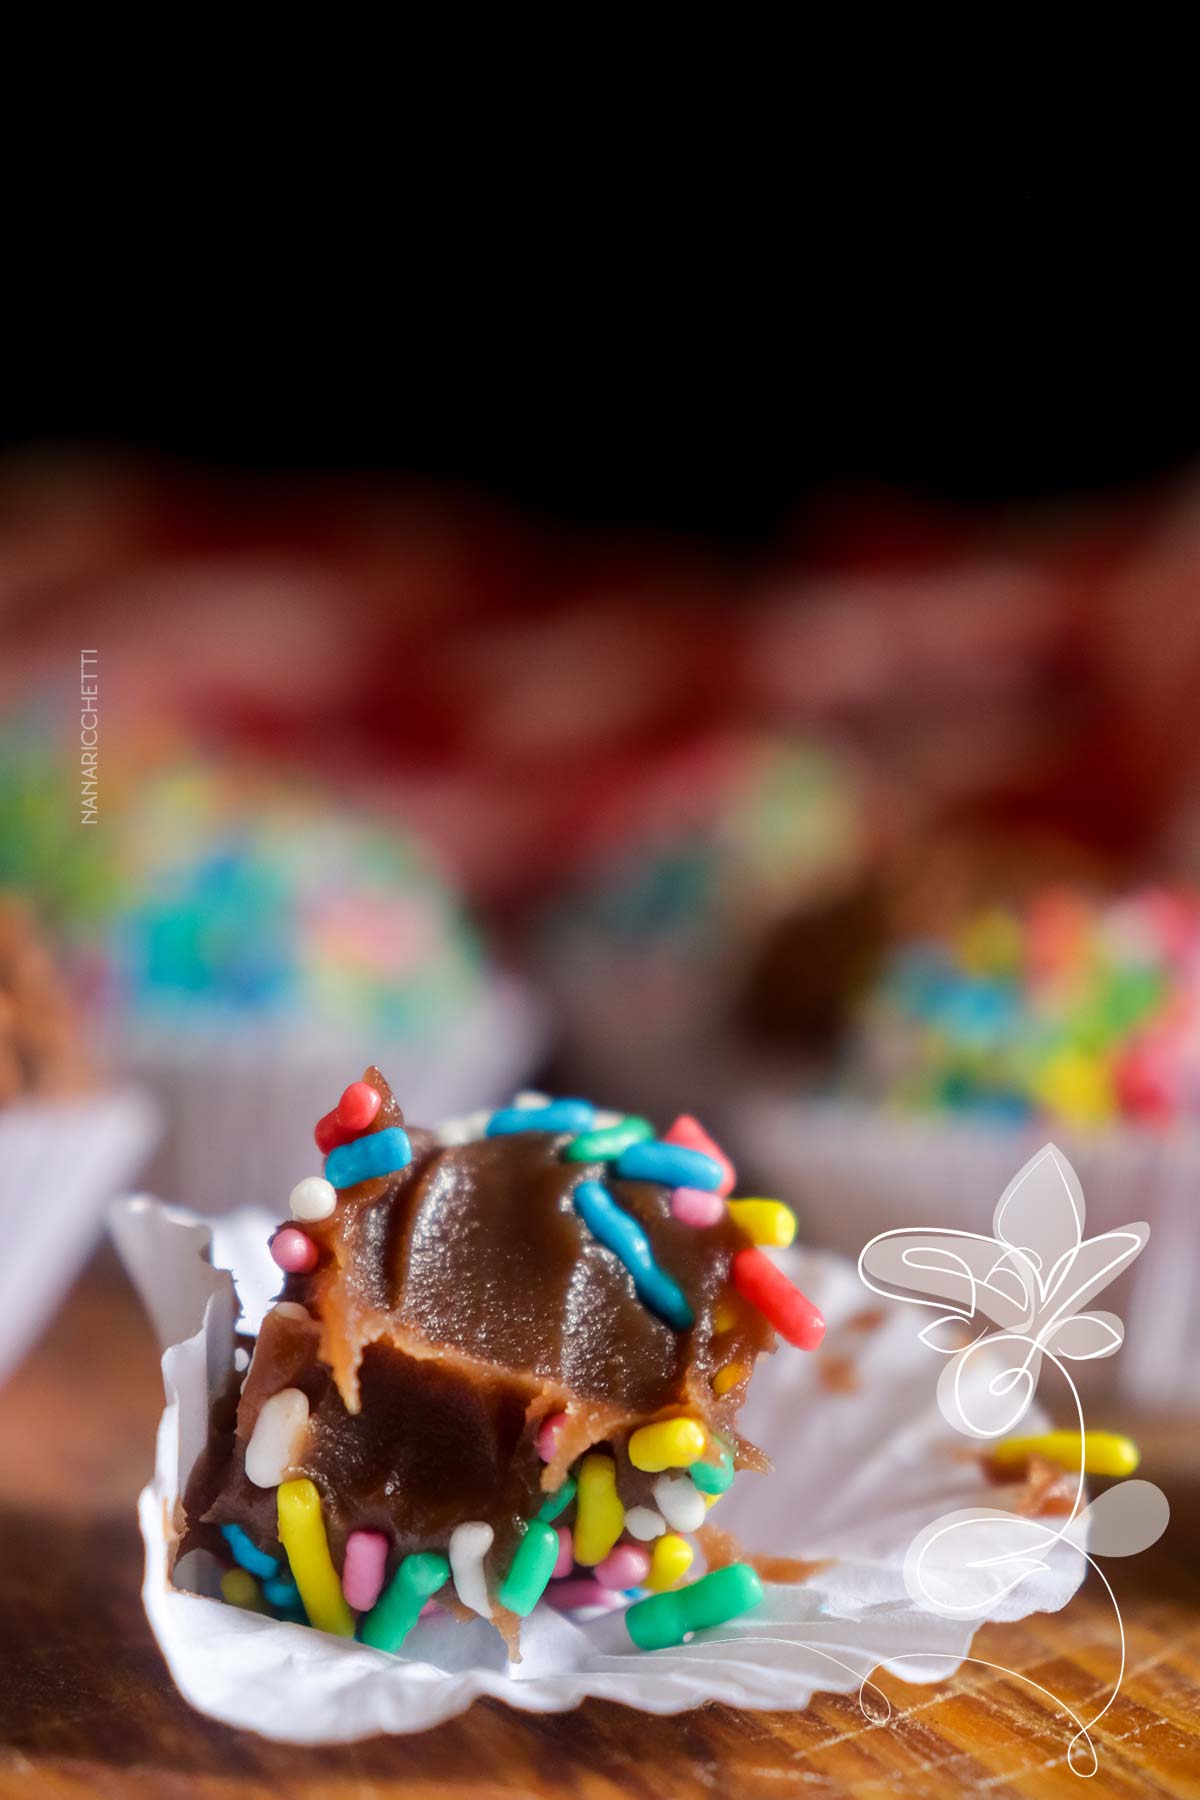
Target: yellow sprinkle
(1104,1452)
(239,1588)
(599,1515)
(672,1444)
(729,1377)
(726,1314)
(670,1560)
(302,1534)
(765,1222)
(710,1500)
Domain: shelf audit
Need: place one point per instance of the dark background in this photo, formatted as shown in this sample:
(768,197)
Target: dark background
(708,376)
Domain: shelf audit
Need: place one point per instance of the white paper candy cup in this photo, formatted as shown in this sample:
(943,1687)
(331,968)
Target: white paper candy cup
(61,1162)
(853,1171)
(240,1106)
(857,1476)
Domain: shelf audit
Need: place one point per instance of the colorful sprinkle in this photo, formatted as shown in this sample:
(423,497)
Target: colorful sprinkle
(608,1142)
(565,1560)
(731,1376)
(695,1207)
(664,1620)
(328,1133)
(644,1523)
(557,1502)
(791,1313)
(670,1560)
(248,1554)
(714,1477)
(284,1595)
(568,1596)
(1101,1452)
(680,1502)
(671,1444)
(313,1198)
(277,1441)
(469,1544)
(359,1104)
(531,1568)
(393,1616)
(622,1234)
(556,1116)
(239,1588)
(765,1222)
(726,1314)
(381,1153)
(294,1251)
(692,1135)
(363,1568)
(599,1516)
(671,1164)
(302,1534)
(547,1435)
(625,1567)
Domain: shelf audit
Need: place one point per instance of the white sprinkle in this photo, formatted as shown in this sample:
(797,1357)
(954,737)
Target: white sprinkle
(313,1198)
(291,1309)
(464,1130)
(469,1544)
(278,1437)
(529,1098)
(680,1502)
(644,1523)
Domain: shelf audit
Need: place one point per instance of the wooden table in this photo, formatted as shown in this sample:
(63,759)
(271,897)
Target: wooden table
(86,1706)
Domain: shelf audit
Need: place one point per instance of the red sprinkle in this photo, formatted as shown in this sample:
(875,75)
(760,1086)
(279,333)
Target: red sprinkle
(791,1313)
(294,1251)
(330,1132)
(357,1107)
(691,1135)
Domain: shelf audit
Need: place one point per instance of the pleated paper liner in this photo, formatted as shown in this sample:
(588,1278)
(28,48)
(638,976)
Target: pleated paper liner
(852,1171)
(61,1162)
(863,1460)
(239,1107)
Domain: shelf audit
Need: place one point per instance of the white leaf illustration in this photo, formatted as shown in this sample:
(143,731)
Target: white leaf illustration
(1083,1337)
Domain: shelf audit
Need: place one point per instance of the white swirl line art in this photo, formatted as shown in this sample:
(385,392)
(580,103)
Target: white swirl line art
(1022,1298)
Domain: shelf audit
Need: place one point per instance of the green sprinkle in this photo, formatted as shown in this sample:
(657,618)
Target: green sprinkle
(663,1620)
(608,1141)
(558,1501)
(713,1478)
(393,1616)
(530,1569)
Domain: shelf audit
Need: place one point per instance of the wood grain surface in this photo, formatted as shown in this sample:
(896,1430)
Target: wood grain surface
(87,1707)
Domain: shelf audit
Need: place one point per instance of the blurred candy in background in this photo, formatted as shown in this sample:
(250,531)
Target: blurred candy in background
(889,825)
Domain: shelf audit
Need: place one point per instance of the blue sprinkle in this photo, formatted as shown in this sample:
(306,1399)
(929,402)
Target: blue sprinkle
(672,1164)
(282,1591)
(621,1234)
(379,1153)
(558,1115)
(249,1555)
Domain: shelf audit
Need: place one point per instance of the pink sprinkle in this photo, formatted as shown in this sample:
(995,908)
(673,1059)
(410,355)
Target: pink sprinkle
(363,1569)
(625,1567)
(294,1251)
(549,1432)
(429,1608)
(689,1133)
(582,1592)
(358,1105)
(566,1554)
(692,1206)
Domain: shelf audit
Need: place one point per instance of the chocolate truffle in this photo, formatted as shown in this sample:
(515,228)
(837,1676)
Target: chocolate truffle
(473,1350)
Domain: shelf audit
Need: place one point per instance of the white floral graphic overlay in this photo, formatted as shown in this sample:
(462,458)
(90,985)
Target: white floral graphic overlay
(1006,1304)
